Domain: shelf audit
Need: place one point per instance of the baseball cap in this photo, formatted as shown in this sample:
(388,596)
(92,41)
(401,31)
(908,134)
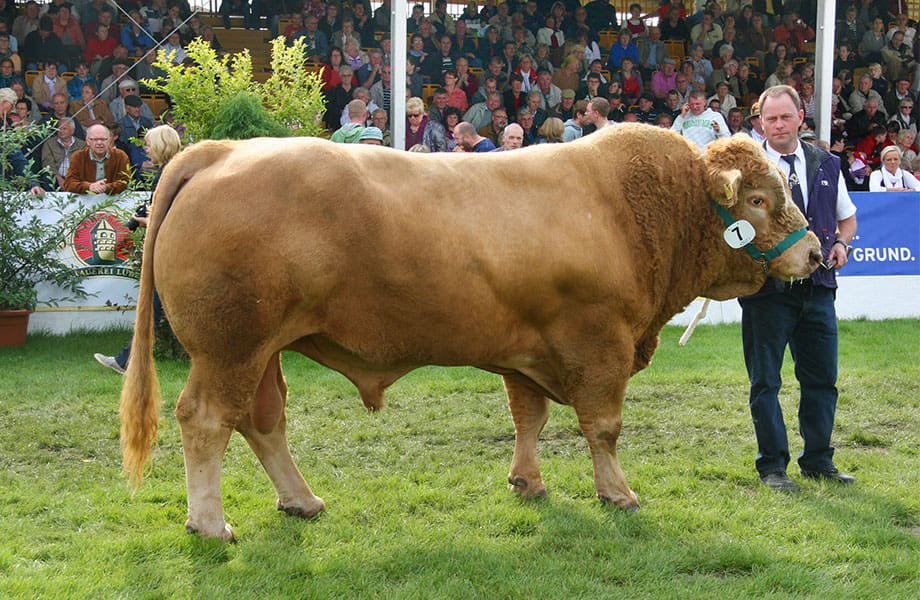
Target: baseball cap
(669,61)
(371,133)
(127,83)
(567,93)
(133,101)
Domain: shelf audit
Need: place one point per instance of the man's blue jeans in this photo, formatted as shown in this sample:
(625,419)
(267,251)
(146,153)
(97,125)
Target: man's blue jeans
(804,318)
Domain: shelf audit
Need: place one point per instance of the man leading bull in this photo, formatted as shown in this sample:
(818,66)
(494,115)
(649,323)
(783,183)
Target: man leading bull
(799,314)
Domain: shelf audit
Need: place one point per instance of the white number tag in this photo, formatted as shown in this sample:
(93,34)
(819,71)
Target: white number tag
(739,234)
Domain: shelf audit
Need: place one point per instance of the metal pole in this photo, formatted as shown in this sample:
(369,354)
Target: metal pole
(398,16)
(824,69)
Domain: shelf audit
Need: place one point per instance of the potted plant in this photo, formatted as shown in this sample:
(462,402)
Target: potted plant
(30,248)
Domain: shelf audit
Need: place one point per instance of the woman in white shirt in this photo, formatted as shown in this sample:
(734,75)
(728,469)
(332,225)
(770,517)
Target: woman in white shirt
(891,177)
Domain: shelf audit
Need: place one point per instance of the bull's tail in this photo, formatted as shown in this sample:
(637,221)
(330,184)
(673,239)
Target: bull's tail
(140,395)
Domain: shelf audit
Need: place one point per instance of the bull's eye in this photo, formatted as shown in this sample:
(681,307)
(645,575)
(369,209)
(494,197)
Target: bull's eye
(757,201)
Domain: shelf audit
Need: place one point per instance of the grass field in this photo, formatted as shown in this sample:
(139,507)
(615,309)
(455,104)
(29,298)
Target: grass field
(417,502)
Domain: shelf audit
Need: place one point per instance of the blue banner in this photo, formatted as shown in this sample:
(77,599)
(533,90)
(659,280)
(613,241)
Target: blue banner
(888,234)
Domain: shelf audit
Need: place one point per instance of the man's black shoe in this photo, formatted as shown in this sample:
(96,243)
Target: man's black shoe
(831,474)
(779,481)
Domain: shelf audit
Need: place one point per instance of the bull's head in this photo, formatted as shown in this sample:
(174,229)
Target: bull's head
(746,186)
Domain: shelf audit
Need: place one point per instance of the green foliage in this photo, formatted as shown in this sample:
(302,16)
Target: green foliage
(418,505)
(202,91)
(30,247)
(243,117)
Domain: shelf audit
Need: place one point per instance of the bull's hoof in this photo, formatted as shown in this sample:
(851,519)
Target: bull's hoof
(224,533)
(304,512)
(526,489)
(628,503)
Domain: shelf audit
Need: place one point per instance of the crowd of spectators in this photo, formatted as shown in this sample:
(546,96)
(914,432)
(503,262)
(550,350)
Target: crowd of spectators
(550,67)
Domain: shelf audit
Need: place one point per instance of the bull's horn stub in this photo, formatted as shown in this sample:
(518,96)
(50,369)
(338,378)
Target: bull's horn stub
(739,234)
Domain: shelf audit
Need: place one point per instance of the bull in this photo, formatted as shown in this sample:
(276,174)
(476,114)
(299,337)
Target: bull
(554,266)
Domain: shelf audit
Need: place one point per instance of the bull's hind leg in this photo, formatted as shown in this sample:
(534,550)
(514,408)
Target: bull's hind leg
(529,411)
(208,410)
(264,430)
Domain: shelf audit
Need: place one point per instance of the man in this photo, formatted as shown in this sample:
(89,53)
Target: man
(440,62)
(621,49)
(316,43)
(371,136)
(512,138)
(596,114)
(56,153)
(864,93)
(134,125)
(126,88)
(480,113)
(369,74)
(898,57)
(652,53)
(99,168)
(699,123)
(350,133)
(565,110)
(443,22)
(552,95)
(664,80)
(734,120)
(706,33)
(646,112)
(60,109)
(573,128)
(493,129)
(438,104)
(899,92)
(380,119)
(109,86)
(601,15)
(799,314)
(382,91)
(859,124)
(795,33)
(469,140)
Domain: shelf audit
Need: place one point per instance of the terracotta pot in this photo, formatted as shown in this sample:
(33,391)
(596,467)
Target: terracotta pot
(13,327)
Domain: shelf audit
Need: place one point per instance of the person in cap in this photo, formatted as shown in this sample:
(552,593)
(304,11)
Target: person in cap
(565,110)
(755,126)
(664,80)
(371,136)
(133,126)
(891,177)
(128,87)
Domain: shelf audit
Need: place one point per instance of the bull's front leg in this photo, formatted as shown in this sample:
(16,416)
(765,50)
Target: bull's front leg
(599,411)
(529,411)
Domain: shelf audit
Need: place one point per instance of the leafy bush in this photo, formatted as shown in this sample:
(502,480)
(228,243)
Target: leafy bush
(202,91)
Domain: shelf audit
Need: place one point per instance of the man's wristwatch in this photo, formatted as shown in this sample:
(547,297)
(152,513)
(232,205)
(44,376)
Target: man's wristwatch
(845,245)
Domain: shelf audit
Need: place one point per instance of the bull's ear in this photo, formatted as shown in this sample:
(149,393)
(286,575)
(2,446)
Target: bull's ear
(724,185)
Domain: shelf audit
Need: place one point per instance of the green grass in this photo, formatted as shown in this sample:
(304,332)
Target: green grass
(417,502)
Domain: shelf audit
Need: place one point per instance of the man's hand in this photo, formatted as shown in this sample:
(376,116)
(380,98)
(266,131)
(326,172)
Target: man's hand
(99,187)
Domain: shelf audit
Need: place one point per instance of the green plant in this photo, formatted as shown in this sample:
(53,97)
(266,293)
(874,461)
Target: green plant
(200,92)
(29,245)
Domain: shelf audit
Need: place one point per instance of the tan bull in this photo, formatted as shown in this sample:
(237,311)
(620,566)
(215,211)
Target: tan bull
(554,266)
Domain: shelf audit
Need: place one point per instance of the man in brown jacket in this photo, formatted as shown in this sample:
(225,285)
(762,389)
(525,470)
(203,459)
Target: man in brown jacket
(99,168)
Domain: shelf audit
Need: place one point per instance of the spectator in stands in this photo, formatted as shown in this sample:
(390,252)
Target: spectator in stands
(672,105)
(863,93)
(734,120)
(466,81)
(133,127)
(442,22)
(573,128)
(413,78)
(47,84)
(904,115)
(634,22)
(452,117)
(551,131)
(849,30)
(382,91)
(490,46)
(535,106)
(7,53)
(514,98)
(338,98)
(729,74)
(381,121)
(631,81)
(527,72)
(329,21)
(234,8)
(67,28)
(420,129)
(749,84)
(42,45)
(438,104)
(316,45)
(85,164)
(756,40)
(870,145)
(898,57)
(350,132)
(469,140)
(795,33)
(362,94)
(56,152)
(551,34)
(23,110)
(295,25)
(646,113)
(652,53)
(456,97)
(755,125)
(623,47)
(512,138)
(27,22)
(891,177)
(438,63)
(682,87)
(480,113)
(76,83)
(902,23)
(596,115)
(415,19)
(702,67)
(601,15)
(7,74)
(706,33)
(363,23)
(347,32)
(879,83)
(497,123)
(664,80)
(128,87)
(550,93)
(873,41)
(591,88)
(90,110)
(724,97)
(780,75)
(464,47)
(354,56)
(568,76)
(134,37)
(780,53)
(674,26)
(845,58)
(905,143)
(369,73)
(330,75)
(99,47)
(698,123)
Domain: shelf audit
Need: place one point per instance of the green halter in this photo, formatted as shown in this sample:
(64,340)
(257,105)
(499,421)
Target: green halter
(762,257)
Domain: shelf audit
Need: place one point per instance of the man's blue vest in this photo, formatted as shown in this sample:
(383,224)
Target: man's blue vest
(822,174)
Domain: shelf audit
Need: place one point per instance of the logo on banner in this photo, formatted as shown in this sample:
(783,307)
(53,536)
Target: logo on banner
(102,247)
